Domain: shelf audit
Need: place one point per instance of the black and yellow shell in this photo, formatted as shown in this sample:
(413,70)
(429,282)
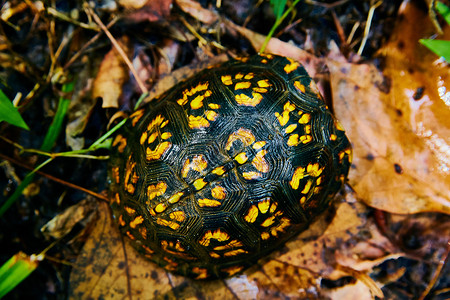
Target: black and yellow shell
(226,166)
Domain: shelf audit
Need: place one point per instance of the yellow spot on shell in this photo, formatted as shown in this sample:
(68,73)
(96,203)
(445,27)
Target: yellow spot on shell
(268,222)
(308,129)
(259,90)
(214,255)
(178,216)
(166,135)
(347,151)
(273,207)
(121,221)
(307,187)
(175,198)
(214,106)
(143,232)
(130,210)
(138,220)
(251,175)
(218,171)
(234,252)
(166,223)
(232,244)
(218,234)
(241,158)
(155,122)
(304,119)
(338,125)
(232,270)
(190,92)
(163,124)
(199,184)
(143,137)
(314,169)
(211,115)
(156,190)
(218,192)
(151,138)
(158,152)
(264,83)
(306,139)
(160,207)
(264,205)
(284,222)
(265,235)
(293,140)
(130,235)
(239,76)
(252,214)
(136,116)
(244,135)
(121,141)
(302,200)
(130,188)
(300,86)
(292,66)
(202,273)
(290,128)
(198,164)
(197,102)
(197,122)
(208,203)
(243,99)
(242,85)
(148,250)
(115,174)
(117,198)
(298,175)
(249,76)
(259,145)
(333,137)
(260,163)
(284,117)
(226,79)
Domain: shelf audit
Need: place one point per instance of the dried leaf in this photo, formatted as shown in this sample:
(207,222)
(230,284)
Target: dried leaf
(63,223)
(111,76)
(276,46)
(401,144)
(146,10)
(194,8)
(102,268)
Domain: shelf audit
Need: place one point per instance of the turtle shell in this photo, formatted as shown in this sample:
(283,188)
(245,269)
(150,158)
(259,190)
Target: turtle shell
(227,166)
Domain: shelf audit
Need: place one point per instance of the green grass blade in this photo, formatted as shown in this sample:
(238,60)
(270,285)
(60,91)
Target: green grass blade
(439,47)
(9,113)
(56,126)
(15,270)
(278,7)
(444,10)
(50,138)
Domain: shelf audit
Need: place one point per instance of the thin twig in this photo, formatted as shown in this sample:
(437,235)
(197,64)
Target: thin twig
(63,182)
(119,49)
(88,44)
(437,273)
(368,24)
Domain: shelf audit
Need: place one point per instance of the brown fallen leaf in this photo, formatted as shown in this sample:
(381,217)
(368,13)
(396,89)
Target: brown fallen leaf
(401,145)
(111,76)
(106,265)
(62,224)
(194,9)
(276,46)
(146,10)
